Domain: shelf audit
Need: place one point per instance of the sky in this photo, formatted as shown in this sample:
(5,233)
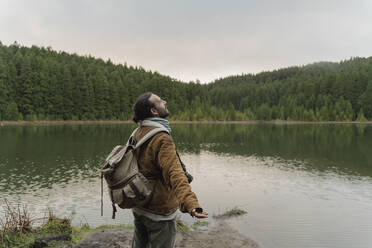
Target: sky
(193,40)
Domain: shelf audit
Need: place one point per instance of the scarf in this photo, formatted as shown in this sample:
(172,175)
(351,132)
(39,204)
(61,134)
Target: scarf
(155,121)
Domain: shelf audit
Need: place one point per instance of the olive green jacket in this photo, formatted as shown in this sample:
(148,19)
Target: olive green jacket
(158,161)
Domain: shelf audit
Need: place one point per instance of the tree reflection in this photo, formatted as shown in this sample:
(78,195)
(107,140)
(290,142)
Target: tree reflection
(33,157)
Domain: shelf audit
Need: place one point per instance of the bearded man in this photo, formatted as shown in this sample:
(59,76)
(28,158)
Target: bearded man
(155,224)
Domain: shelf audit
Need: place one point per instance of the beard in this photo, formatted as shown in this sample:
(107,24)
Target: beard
(163,112)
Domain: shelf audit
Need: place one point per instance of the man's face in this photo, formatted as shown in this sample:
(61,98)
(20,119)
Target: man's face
(160,109)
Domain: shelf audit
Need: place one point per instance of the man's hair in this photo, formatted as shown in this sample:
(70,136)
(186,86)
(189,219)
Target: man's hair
(142,107)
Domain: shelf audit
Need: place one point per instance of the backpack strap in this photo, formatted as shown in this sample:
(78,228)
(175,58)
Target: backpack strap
(131,136)
(149,135)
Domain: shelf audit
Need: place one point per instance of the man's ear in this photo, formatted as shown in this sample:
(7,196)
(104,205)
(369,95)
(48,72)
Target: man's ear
(154,112)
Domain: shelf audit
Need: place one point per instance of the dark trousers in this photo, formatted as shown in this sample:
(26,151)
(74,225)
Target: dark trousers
(153,234)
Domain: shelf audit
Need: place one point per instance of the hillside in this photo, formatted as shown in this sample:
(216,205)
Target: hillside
(39,83)
(320,91)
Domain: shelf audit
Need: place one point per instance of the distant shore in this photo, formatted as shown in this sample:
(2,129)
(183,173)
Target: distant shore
(279,122)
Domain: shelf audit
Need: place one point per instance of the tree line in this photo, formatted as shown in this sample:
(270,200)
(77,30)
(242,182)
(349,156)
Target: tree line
(38,83)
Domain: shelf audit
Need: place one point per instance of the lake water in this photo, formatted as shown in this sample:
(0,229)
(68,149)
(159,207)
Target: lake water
(301,185)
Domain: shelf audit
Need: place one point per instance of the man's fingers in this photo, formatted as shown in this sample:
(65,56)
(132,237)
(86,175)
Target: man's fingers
(201,215)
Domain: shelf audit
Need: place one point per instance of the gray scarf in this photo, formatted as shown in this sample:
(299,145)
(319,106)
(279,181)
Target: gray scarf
(156,121)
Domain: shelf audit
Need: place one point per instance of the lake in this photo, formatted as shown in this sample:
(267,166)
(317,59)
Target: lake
(302,185)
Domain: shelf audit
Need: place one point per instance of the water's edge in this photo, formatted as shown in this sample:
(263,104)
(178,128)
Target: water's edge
(24,123)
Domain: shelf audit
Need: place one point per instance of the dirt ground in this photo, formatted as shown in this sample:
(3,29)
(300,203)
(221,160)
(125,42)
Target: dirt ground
(216,235)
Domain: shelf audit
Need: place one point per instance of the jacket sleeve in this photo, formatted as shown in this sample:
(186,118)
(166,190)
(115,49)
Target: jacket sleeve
(173,174)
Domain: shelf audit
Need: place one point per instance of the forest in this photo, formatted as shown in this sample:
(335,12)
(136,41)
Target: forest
(38,83)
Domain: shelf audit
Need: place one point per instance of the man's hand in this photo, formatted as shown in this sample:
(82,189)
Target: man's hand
(199,214)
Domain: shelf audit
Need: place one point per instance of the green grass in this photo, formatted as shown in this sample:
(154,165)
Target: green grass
(54,226)
(230,213)
(16,239)
(26,238)
(114,227)
(198,224)
(58,226)
(17,228)
(182,226)
(80,232)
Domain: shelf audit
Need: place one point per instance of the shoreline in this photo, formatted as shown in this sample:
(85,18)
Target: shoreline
(59,232)
(216,235)
(276,122)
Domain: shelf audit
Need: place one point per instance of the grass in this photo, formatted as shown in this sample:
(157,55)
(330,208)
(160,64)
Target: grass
(198,224)
(15,226)
(17,230)
(16,219)
(230,213)
(183,227)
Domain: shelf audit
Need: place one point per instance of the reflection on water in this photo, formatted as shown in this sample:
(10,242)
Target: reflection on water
(286,206)
(302,185)
(324,146)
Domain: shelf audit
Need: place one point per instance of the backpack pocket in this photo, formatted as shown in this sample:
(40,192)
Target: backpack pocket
(136,192)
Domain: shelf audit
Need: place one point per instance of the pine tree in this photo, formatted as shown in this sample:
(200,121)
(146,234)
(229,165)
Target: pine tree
(365,101)
(4,94)
(361,116)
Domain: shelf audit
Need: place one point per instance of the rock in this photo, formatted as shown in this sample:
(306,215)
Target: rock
(43,242)
(115,238)
(217,235)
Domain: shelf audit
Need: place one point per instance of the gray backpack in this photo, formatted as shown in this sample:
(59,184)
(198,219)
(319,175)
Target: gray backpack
(127,186)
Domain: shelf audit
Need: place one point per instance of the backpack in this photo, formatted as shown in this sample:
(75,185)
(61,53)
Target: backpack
(127,186)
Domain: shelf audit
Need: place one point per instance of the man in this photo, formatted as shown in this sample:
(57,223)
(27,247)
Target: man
(155,225)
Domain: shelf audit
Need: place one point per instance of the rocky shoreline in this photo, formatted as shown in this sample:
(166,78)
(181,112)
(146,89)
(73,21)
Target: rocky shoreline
(219,234)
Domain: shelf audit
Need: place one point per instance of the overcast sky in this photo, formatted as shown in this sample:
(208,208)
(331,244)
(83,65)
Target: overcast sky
(188,39)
